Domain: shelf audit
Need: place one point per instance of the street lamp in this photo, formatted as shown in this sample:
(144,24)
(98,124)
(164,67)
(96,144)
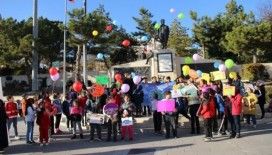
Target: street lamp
(64,49)
(35,62)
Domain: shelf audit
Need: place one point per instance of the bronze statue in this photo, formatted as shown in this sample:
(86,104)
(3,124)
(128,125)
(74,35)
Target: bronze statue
(163,34)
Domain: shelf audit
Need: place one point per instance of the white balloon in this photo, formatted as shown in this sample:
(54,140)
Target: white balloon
(172,10)
(137,79)
(55,77)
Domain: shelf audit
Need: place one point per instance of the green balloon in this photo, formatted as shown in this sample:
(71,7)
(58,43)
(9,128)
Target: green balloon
(157,26)
(188,60)
(181,16)
(229,63)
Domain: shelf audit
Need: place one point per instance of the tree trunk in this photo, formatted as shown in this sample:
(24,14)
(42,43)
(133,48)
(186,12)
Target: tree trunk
(78,58)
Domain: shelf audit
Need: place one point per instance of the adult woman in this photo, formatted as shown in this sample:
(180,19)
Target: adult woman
(3,127)
(30,115)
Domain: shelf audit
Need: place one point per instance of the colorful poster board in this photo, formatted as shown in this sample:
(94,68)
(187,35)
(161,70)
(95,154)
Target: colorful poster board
(218,75)
(228,90)
(166,105)
(127,121)
(110,109)
(96,118)
(102,79)
(176,93)
(206,77)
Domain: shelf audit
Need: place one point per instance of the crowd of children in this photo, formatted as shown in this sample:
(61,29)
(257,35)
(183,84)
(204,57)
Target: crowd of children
(204,100)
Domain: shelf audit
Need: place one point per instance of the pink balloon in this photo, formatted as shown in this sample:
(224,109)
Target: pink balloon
(222,68)
(137,79)
(125,88)
(55,77)
(196,57)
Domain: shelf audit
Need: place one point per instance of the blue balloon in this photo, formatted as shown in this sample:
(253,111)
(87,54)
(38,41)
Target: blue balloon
(199,73)
(100,56)
(144,38)
(133,74)
(216,64)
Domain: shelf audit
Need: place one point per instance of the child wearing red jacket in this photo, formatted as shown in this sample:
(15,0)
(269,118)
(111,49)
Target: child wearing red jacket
(236,110)
(207,110)
(12,113)
(43,120)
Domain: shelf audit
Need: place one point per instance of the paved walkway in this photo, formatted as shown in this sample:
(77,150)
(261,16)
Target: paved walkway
(253,142)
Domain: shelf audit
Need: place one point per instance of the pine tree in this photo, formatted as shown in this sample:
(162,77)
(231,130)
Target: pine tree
(145,25)
(179,39)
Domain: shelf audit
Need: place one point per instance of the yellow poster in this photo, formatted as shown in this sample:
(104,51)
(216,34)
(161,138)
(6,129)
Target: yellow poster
(206,77)
(228,90)
(218,75)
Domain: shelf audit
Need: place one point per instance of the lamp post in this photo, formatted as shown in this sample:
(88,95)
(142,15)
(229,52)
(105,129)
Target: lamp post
(64,49)
(84,50)
(34,75)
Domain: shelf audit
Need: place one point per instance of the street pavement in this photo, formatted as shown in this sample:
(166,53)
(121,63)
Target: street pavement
(253,142)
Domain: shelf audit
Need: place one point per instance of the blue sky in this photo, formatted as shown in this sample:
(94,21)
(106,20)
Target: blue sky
(123,10)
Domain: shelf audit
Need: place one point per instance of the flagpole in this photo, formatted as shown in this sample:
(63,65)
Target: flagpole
(64,49)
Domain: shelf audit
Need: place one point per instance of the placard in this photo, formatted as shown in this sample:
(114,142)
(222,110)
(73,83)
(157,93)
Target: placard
(102,79)
(206,77)
(165,62)
(110,109)
(228,90)
(176,93)
(96,118)
(166,105)
(127,121)
(218,75)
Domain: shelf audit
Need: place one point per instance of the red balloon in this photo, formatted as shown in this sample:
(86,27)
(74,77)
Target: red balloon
(126,43)
(97,90)
(118,77)
(109,28)
(77,86)
(53,71)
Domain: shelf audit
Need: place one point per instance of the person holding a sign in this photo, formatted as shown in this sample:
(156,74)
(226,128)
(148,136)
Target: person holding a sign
(3,127)
(127,109)
(249,106)
(76,114)
(168,109)
(111,111)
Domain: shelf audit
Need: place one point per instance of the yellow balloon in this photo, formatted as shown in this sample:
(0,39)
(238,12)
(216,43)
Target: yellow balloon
(233,75)
(95,33)
(186,69)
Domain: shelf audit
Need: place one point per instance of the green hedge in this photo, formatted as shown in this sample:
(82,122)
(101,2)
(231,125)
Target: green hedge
(254,72)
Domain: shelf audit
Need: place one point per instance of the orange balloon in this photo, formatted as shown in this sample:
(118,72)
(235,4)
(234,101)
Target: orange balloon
(193,74)
(97,90)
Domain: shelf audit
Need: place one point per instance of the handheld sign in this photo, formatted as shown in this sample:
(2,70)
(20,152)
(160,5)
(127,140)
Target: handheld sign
(110,109)
(218,75)
(166,105)
(96,118)
(228,90)
(127,121)
(102,79)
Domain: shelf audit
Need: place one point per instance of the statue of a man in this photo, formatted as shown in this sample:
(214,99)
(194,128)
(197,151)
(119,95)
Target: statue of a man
(163,34)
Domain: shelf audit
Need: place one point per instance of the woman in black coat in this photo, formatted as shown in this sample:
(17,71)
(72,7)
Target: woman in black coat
(3,127)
